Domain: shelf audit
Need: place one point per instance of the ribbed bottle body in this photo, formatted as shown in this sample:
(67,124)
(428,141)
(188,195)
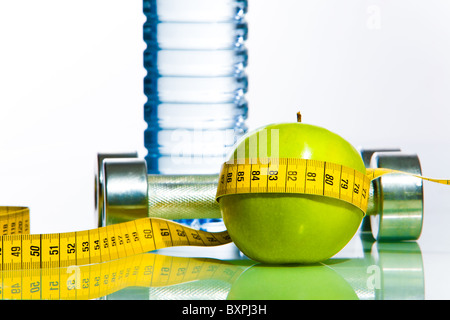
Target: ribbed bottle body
(196,83)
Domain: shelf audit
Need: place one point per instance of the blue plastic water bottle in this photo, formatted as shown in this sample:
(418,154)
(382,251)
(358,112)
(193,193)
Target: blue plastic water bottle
(196,83)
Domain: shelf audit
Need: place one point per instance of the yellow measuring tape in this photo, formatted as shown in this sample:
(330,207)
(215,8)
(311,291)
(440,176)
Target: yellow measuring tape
(94,263)
(301,176)
(21,250)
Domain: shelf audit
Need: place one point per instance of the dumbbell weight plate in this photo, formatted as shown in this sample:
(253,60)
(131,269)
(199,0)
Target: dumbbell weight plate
(398,198)
(125,190)
(98,183)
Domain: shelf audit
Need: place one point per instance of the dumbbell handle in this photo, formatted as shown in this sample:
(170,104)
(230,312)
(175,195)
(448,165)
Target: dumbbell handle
(183,196)
(126,192)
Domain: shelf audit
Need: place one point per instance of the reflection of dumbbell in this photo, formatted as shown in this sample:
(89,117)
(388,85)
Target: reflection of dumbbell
(396,206)
(387,271)
(125,191)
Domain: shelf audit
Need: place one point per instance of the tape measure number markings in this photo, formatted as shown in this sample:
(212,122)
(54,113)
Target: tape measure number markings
(33,251)
(296,176)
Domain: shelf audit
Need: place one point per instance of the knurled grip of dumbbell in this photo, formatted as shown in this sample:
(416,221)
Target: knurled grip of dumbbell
(127,192)
(183,196)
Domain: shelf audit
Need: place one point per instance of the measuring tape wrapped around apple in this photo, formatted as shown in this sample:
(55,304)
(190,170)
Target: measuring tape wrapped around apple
(290,193)
(302,205)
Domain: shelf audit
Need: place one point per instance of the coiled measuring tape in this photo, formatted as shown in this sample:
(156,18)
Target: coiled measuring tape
(21,250)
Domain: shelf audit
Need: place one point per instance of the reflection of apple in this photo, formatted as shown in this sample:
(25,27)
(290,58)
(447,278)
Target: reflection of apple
(294,282)
(294,228)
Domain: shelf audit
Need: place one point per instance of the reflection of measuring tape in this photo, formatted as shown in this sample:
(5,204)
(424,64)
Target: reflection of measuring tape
(20,250)
(101,279)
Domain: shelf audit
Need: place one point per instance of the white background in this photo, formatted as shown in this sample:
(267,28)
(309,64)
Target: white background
(376,72)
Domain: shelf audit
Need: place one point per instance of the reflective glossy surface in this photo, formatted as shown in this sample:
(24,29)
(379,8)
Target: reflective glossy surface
(364,270)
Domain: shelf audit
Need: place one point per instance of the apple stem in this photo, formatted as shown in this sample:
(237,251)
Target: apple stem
(299,117)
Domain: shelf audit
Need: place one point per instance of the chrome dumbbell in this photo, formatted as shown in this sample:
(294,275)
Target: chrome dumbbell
(366,155)
(98,192)
(395,209)
(125,191)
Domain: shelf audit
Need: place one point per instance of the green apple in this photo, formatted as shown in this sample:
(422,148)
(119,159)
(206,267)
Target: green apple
(293,228)
(293,282)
